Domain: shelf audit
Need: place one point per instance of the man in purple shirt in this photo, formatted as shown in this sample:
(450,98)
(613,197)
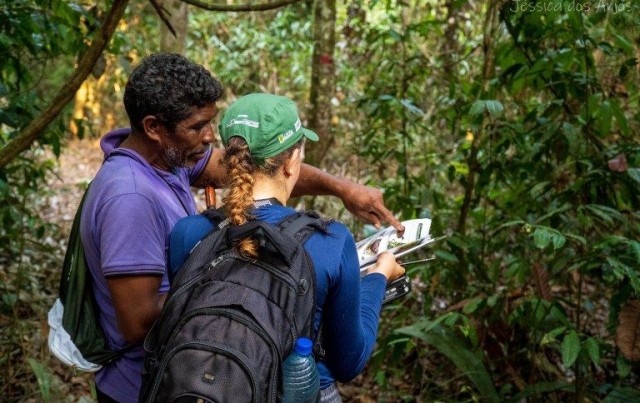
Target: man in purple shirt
(143,189)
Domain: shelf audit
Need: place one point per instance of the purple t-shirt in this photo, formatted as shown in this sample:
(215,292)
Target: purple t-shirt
(129,212)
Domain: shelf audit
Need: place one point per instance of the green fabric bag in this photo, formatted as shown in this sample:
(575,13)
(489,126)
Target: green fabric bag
(76,336)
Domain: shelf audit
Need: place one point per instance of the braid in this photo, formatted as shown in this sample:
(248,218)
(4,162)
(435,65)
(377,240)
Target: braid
(240,168)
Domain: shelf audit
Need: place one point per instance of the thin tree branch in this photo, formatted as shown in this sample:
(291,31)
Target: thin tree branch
(205,4)
(29,134)
(489,28)
(161,13)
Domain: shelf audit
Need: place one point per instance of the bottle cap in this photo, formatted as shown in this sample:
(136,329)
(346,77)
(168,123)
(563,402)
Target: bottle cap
(303,346)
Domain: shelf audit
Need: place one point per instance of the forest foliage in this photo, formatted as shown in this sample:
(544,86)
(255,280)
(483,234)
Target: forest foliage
(512,124)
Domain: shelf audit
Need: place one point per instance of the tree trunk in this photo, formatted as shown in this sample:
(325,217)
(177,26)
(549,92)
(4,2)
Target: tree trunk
(177,14)
(322,79)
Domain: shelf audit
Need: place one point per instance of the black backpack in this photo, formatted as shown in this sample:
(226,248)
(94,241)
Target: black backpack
(228,321)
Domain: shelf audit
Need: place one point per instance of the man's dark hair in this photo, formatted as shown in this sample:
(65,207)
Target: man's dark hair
(169,87)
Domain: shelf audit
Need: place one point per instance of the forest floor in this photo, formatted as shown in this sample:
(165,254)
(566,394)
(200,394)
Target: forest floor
(76,166)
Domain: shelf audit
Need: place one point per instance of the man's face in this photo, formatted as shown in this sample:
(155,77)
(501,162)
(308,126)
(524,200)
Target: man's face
(188,143)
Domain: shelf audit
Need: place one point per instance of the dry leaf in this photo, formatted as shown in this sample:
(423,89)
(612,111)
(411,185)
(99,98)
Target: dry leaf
(628,331)
(541,280)
(618,163)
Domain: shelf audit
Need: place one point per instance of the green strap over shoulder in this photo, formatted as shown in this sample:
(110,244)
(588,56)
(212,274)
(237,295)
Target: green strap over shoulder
(80,317)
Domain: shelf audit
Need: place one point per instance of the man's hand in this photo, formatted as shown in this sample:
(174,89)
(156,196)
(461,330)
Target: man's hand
(367,203)
(362,201)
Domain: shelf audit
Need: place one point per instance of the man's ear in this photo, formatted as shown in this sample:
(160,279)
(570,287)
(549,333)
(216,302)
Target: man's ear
(153,128)
(294,161)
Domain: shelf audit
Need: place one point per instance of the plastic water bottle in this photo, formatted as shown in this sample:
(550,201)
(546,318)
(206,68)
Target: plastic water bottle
(300,379)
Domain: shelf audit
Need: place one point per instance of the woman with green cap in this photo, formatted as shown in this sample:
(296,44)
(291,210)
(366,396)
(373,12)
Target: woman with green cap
(264,148)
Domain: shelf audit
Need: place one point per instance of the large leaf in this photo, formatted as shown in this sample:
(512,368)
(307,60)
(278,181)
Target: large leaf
(447,343)
(592,347)
(43,377)
(492,106)
(543,236)
(619,395)
(570,348)
(539,389)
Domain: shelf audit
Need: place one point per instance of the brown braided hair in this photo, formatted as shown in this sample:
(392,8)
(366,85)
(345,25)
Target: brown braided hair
(241,169)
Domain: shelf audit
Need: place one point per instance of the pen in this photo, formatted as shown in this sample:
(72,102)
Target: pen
(417,261)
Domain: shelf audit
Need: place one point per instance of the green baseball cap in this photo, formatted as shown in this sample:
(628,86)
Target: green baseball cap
(268,123)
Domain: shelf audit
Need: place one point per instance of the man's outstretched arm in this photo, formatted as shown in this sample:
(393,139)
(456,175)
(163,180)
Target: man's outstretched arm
(364,202)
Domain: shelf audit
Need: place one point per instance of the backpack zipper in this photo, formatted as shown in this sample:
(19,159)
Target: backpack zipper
(248,322)
(228,313)
(241,359)
(180,289)
(279,274)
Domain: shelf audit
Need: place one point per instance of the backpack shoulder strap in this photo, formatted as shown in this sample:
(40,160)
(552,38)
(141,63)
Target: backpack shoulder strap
(81,313)
(74,255)
(301,225)
(215,215)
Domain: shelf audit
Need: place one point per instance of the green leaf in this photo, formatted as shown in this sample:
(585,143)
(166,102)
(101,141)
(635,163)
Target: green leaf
(539,188)
(606,211)
(397,36)
(624,43)
(624,369)
(621,395)
(381,377)
(472,306)
(449,344)
(617,267)
(570,348)
(578,238)
(558,240)
(540,388)
(634,173)
(460,167)
(623,123)
(477,108)
(411,107)
(541,238)
(553,212)
(449,257)
(591,345)
(494,107)
(43,377)
(603,122)
(551,336)
(633,277)
(635,245)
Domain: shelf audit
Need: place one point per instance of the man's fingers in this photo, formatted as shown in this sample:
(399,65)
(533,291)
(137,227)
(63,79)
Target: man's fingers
(383,214)
(371,218)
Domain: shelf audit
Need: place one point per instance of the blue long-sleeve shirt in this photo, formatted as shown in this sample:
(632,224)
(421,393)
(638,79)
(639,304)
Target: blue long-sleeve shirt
(350,306)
